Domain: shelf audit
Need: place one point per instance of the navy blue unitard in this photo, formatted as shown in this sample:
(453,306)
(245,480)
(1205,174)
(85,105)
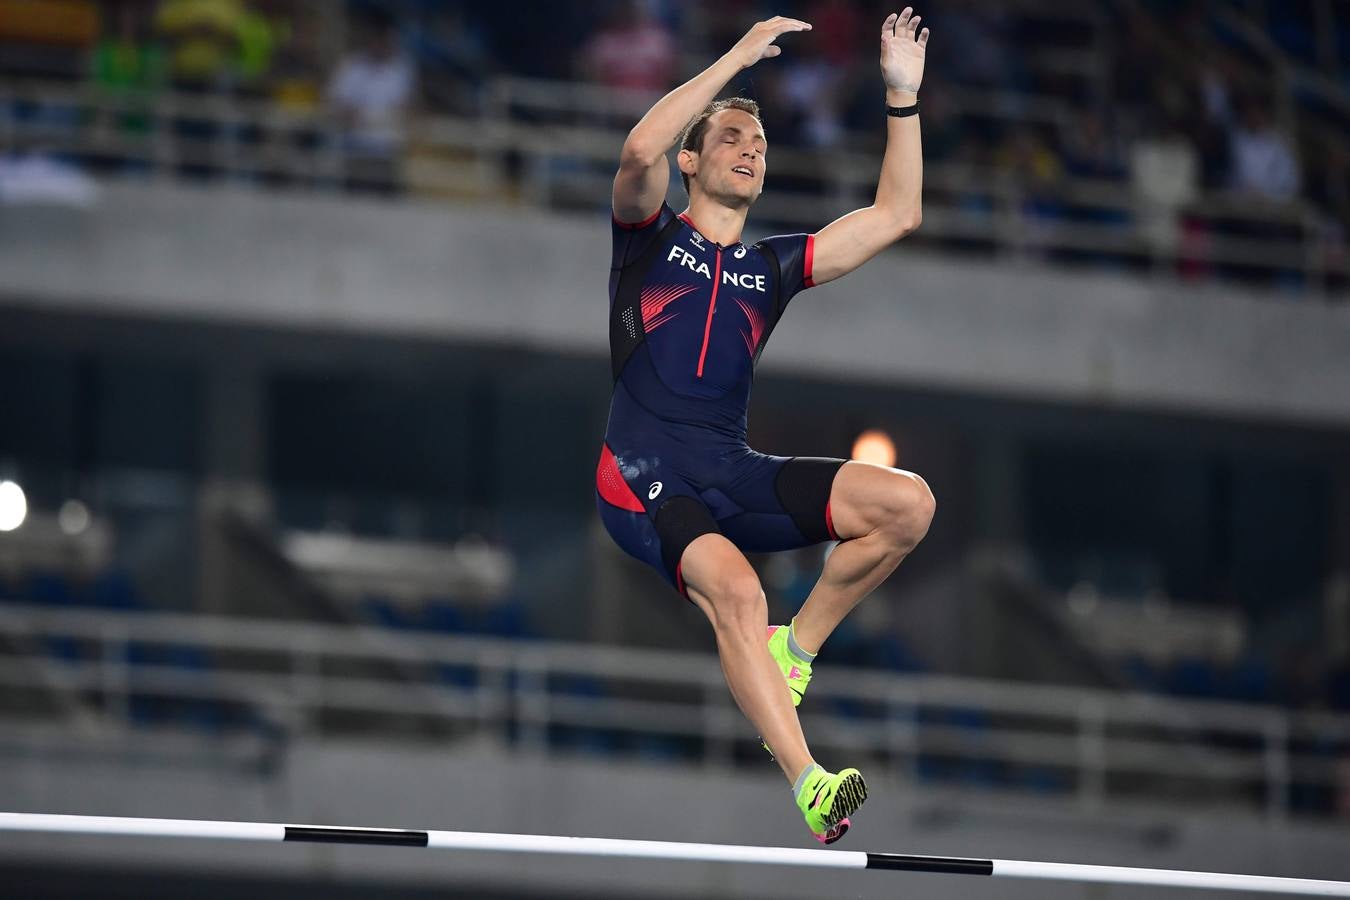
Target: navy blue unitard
(688,321)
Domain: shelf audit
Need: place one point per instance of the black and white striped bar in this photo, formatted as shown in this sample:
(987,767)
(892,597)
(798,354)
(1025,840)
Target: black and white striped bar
(666,850)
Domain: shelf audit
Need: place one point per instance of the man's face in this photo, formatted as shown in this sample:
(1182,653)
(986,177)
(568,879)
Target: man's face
(731,165)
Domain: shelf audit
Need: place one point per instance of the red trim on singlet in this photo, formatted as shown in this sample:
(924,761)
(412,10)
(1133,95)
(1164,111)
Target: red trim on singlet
(688,221)
(634,226)
(712,304)
(810,259)
(679,580)
(829,522)
(609,482)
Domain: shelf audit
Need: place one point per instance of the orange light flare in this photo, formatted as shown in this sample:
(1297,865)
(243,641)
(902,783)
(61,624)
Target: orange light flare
(874,446)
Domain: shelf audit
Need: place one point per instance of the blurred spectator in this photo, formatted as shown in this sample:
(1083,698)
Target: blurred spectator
(1165,177)
(632,50)
(1263,161)
(125,59)
(36,179)
(1170,121)
(371,93)
(203,39)
(295,82)
(130,67)
(1212,120)
(262,31)
(1215,77)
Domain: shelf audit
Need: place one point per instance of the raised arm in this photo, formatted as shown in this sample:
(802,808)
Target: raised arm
(640,185)
(849,241)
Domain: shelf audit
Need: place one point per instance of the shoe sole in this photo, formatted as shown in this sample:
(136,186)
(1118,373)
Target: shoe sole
(833,834)
(850,794)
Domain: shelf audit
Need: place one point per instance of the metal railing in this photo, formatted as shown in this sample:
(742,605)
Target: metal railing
(1090,748)
(554,144)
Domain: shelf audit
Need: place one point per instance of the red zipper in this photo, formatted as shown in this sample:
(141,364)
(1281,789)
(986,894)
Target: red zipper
(712,302)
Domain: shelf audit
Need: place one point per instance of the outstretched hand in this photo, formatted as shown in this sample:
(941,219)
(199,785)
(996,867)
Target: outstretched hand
(903,47)
(758,42)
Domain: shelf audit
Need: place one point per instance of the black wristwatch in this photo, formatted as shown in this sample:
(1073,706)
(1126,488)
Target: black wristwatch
(901,111)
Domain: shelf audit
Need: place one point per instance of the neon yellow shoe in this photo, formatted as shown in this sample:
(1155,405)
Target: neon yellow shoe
(797,672)
(827,800)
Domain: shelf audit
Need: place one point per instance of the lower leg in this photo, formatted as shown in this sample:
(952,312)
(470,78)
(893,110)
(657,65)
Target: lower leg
(882,514)
(852,571)
(757,686)
(722,583)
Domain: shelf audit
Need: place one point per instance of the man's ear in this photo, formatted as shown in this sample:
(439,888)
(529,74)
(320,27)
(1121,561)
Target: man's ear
(687,160)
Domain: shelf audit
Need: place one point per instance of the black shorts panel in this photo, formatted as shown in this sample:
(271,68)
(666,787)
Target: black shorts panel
(678,522)
(803,487)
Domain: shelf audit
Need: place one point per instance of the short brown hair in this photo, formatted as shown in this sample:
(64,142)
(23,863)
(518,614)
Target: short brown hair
(694,134)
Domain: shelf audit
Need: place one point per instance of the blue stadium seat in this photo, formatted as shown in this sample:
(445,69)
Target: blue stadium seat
(384,612)
(506,620)
(50,588)
(113,589)
(443,615)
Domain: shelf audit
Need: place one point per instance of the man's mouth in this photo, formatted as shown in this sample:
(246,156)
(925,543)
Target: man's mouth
(744,170)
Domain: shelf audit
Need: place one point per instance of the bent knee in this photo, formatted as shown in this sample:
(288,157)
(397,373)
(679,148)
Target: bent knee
(924,504)
(910,507)
(738,602)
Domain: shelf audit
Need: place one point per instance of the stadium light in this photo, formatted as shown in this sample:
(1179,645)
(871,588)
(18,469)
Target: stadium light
(874,446)
(13,506)
(73,518)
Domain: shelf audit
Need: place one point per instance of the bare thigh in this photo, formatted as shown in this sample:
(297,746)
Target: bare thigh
(866,496)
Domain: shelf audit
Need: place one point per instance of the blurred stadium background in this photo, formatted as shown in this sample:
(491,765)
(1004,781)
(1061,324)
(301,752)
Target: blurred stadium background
(303,375)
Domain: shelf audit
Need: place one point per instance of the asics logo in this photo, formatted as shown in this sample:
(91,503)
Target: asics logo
(654,490)
(794,674)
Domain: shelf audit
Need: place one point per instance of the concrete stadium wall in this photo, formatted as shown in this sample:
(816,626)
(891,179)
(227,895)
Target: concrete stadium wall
(488,788)
(538,279)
